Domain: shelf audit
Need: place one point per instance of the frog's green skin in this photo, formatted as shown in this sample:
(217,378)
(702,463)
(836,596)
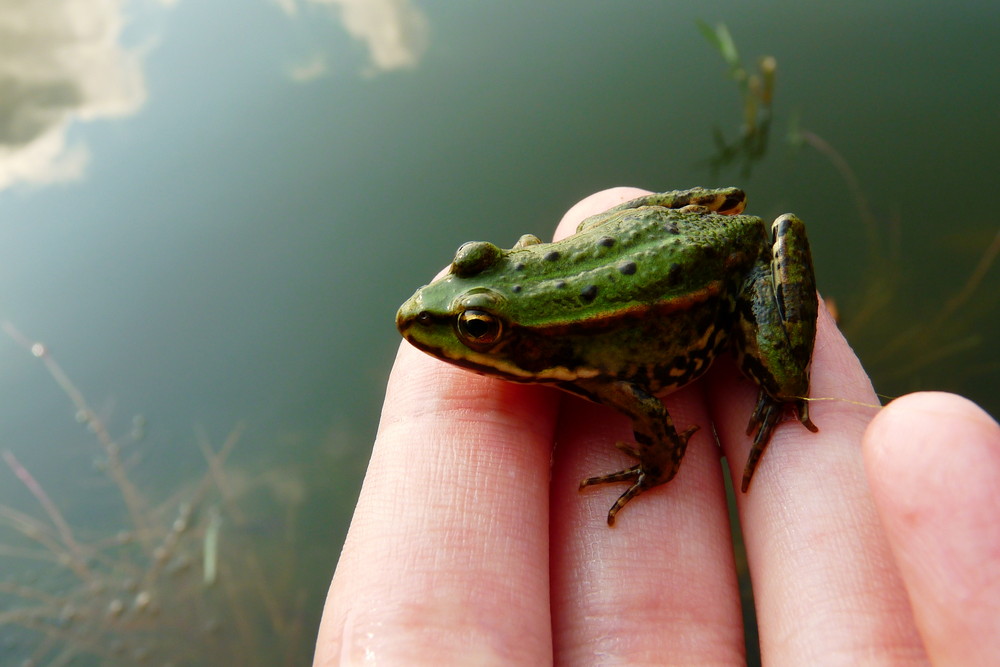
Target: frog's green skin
(633,306)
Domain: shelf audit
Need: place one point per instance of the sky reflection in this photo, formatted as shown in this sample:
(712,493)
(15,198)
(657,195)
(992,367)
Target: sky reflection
(60,62)
(66,62)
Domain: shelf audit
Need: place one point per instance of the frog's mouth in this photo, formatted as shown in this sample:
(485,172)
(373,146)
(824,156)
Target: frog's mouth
(435,334)
(423,329)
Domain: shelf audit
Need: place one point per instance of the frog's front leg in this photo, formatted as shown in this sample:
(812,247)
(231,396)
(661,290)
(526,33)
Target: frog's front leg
(658,446)
(775,331)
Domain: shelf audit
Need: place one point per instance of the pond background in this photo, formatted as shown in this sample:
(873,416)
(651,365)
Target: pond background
(210,211)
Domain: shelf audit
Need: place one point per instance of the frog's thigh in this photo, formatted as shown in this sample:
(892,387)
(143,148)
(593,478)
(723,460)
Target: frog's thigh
(794,285)
(776,321)
(721,200)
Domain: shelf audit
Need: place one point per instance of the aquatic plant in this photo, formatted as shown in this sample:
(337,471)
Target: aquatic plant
(897,347)
(176,584)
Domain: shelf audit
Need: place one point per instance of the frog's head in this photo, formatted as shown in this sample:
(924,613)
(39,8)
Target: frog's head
(459,325)
(460,317)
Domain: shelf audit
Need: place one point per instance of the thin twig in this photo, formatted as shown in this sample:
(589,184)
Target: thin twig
(217,473)
(841,165)
(970,286)
(78,563)
(131,496)
(165,550)
(35,530)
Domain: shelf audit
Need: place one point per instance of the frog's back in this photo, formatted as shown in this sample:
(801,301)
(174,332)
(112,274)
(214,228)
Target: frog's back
(636,260)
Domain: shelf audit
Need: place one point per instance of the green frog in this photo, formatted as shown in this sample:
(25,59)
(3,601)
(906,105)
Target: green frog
(637,303)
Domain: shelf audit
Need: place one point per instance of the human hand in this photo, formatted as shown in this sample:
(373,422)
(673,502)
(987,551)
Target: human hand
(470,543)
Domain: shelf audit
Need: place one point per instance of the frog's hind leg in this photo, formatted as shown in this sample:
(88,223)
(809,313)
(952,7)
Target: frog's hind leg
(726,201)
(658,446)
(775,332)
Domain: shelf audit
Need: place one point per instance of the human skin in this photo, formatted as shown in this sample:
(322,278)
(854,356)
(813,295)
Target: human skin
(874,541)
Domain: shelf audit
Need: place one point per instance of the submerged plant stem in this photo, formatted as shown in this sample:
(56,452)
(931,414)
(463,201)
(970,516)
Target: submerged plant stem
(78,563)
(130,495)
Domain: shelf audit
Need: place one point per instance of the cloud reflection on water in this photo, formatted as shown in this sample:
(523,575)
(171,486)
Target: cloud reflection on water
(59,62)
(394,31)
(62,62)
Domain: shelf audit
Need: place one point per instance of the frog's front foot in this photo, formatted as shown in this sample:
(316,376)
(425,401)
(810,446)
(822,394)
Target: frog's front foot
(635,475)
(768,414)
(641,477)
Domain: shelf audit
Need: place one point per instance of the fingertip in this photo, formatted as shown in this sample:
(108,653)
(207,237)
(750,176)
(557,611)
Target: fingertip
(933,462)
(930,447)
(921,424)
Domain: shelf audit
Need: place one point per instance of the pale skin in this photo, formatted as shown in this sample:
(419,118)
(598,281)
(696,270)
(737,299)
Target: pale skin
(875,541)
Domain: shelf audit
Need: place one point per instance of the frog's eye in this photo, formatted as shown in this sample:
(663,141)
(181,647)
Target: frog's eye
(479,329)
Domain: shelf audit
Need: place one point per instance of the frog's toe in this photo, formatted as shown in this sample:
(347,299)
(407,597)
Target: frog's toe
(630,493)
(628,475)
(803,414)
(640,482)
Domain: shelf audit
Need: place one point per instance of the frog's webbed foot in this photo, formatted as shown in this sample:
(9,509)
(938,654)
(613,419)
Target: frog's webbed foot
(769,413)
(641,478)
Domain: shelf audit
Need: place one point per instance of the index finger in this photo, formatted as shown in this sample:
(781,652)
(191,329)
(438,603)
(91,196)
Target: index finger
(447,554)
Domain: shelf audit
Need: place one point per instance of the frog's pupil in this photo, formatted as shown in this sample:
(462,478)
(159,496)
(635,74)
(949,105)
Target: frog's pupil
(478,326)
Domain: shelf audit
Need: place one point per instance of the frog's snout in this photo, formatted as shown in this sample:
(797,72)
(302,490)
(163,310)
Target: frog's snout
(409,313)
(400,320)
(403,317)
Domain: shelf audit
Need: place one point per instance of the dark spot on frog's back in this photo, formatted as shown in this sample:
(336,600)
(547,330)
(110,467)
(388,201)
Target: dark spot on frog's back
(588,293)
(551,256)
(627,268)
(606,241)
